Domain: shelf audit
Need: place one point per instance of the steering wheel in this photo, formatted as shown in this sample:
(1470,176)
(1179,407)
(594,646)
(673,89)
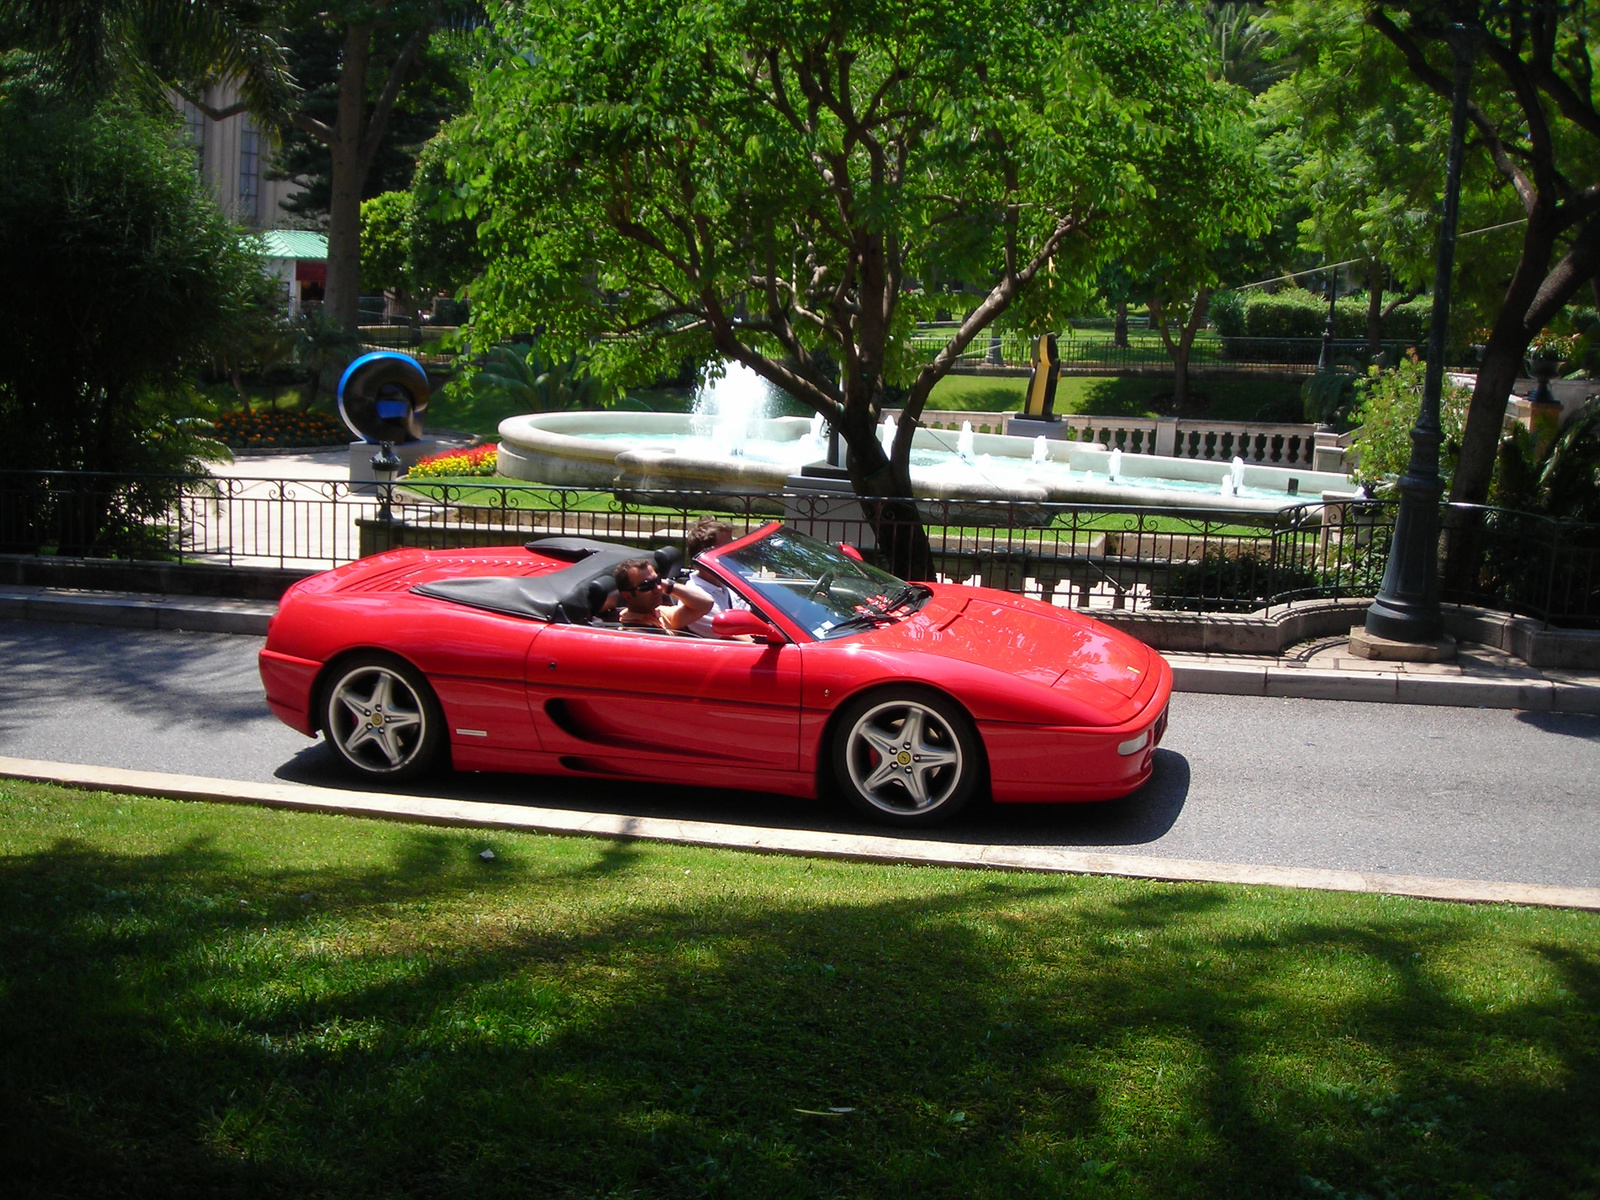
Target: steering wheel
(824,582)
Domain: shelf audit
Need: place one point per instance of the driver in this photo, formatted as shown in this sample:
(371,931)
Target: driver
(648,599)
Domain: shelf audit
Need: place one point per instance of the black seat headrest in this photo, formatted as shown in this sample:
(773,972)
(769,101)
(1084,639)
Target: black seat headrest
(601,590)
(668,560)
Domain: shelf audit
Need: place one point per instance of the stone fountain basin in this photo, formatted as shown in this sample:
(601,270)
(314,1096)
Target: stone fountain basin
(562,449)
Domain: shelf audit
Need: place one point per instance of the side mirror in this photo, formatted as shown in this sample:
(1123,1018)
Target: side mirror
(741,622)
(850,551)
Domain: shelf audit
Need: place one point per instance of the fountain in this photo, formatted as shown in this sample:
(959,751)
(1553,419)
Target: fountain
(743,451)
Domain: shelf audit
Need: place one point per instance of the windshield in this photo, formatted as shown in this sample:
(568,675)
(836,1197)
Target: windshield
(818,586)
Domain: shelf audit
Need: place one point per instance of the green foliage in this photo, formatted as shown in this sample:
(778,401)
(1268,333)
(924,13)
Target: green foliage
(1388,402)
(385,245)
(1560,480)
(1297,313)
(527,380)
(133,282)
(1227,313)
(1327,397)
(1291,313)
(1234,582)
(432,91)
(92,49)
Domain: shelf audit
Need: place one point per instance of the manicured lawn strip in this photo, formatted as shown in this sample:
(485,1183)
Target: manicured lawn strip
(201,1000)
(466,490)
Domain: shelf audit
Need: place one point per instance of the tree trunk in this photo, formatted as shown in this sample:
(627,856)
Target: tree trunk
(888,505)
(1181,349)
(1119,325)
(341,302)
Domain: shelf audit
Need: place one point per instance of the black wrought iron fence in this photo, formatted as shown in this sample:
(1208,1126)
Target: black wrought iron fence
(1086,556)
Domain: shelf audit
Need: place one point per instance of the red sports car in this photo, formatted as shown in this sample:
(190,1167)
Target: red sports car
(912,698)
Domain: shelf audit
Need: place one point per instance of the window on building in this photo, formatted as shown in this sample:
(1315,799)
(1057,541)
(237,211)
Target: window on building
(249,172)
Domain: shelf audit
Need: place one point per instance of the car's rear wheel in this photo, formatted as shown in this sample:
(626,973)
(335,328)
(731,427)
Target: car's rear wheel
(382,719)
(907,756)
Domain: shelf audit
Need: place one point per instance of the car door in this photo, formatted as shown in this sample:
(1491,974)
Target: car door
(630,694)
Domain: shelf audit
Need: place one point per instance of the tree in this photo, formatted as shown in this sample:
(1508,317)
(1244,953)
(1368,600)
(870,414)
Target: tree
(1365,158)
(1534,122)
(134,281)
(92,47)
(433,90)
(384,244)
(780,183)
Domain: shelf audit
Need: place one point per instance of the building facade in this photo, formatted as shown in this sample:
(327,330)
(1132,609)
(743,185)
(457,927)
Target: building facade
(232,156)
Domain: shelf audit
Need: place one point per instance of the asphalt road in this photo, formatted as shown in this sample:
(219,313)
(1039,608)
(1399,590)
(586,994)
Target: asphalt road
(1463,793)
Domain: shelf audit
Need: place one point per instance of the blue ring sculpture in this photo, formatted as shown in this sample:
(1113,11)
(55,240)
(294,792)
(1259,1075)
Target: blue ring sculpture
(382,397)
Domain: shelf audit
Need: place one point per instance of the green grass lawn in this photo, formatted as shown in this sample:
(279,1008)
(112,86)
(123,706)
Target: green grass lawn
(203,1000)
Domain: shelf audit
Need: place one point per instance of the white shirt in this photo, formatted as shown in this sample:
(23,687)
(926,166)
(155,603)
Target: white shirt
(723,598)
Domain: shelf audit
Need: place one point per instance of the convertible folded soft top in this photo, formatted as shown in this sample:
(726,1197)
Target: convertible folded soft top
(568,596)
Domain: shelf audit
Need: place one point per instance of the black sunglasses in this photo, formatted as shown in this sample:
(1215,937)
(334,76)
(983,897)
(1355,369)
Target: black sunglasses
(644,585)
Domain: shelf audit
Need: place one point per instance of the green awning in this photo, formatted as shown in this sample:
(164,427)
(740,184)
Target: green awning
(293,243)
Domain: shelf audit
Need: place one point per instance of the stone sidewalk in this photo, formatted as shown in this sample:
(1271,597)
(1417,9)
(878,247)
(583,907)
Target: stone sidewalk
(1480,677)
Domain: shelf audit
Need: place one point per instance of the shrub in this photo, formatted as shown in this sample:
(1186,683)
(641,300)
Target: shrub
(1292,313)
(1221,582)
(1227,314)
(1386,409)
(531,382)
(1327,397)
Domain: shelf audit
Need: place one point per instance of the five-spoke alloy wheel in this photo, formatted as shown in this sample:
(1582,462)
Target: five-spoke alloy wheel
(382,719)
(907,756)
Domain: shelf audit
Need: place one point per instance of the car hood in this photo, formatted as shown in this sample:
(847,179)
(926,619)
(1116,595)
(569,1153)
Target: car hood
(1051,647)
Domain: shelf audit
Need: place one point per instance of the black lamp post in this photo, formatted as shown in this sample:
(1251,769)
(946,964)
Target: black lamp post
(1407,605)
(1325,358)
(385,467)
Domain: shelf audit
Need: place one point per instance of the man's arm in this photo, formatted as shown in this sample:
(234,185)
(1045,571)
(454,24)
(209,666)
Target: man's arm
(692,605)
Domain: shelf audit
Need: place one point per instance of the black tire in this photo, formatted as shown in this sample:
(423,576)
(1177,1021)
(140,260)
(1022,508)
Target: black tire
(381,718)
(906,756)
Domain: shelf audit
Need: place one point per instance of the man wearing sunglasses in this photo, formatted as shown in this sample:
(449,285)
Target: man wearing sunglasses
(648,599)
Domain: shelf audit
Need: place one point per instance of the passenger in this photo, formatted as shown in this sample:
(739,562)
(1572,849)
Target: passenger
(707,534)
(645,597)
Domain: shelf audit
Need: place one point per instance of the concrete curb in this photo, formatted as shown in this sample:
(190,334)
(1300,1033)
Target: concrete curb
(854,847)
(193,613)
(1533,693)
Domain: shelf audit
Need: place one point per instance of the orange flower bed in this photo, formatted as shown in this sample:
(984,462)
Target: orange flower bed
(278,427)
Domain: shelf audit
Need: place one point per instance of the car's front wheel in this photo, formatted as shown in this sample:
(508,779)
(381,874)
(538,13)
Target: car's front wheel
(382,719)
(907,756)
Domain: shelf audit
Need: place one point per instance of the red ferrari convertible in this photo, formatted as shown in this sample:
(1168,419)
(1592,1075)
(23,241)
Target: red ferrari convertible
(912,698)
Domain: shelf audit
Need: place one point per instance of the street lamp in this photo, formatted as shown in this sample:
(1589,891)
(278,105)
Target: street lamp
(1325,358)
(385,468)
(1406,609)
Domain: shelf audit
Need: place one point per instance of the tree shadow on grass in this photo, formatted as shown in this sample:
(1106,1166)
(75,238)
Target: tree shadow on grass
(427,1024)
(1138,819)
